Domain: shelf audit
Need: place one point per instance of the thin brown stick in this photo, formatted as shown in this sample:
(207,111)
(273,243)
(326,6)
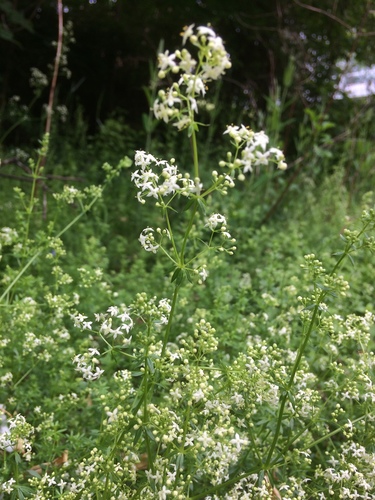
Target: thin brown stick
(56,67)
(52,89)
(15,161)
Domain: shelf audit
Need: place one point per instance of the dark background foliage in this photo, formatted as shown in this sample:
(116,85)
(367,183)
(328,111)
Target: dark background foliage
(116,40)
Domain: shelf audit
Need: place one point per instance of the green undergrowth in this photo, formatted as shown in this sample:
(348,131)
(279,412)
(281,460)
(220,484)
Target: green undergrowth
(196,335)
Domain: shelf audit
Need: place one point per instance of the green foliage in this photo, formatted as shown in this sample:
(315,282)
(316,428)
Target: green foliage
(226,358)
(12,18)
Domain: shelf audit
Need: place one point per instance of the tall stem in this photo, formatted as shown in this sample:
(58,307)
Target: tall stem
(195,154)
(186,237)
(284,398)
(302,348)
(54,77)
(39,252)
(56,66)
(170,319)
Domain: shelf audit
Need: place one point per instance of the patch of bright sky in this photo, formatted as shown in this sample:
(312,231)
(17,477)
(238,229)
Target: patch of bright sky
(358,82)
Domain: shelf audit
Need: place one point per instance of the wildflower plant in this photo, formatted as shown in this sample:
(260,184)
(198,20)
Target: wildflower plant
(189,390)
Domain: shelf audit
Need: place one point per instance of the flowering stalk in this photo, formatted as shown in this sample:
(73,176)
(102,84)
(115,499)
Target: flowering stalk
(91,195)
(161,181)
(179,104)
(331,283)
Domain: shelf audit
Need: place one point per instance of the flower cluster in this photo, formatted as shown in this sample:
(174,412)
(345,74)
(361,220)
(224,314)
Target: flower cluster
(16,435)
(351,473)
(180,102)
(147,238)
(150,310)
(251,151)
(38,80)
(87,364)
(8,236)
(217,223)
(168,181)
(106,321)
(7,487)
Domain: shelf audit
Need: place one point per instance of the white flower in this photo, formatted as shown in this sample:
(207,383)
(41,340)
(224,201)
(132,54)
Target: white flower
(147,240)
(127,322)
(89,372)
(163,493)
(187,33)
(187,63)
(239,134)
(261,139)
(205,439)
(205,30)
(194,85)
(162,112)
(216,220)
(112,415)
(261,158)
(254,150)
(166,60)
(143,159)
(79,319)
(279,155)
(183,123)
(203,273)
(7,487)
(238,399)
(93,352)
(112,310)
(214,60)
(105,327)
(198,395)
(171,98)
(238,442)
(165,306)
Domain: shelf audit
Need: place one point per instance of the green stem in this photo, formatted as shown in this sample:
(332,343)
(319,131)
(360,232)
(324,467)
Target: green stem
(39,252)
(290,383)
(19,275)
(18,122)
(25,375)
(302,348)
(212,188)
(148,390)
(10,129)
(170,319)
(186,236)
(195,154)
(171,234)
(30,208)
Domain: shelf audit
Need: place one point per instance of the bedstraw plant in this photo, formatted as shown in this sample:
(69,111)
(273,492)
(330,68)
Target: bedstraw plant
(188,390)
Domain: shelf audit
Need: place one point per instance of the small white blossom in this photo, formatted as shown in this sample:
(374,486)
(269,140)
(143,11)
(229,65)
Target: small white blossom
(216,220)
(187,33)
(166,60)
(147,240)
(239,442)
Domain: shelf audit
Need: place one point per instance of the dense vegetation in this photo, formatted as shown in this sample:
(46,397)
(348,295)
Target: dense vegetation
(186,301)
